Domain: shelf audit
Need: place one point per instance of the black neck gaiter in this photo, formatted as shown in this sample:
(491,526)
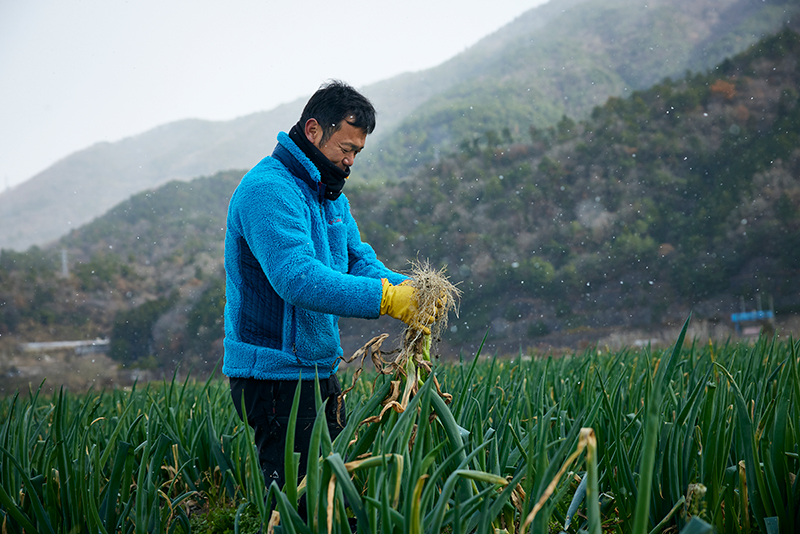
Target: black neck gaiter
(332,176)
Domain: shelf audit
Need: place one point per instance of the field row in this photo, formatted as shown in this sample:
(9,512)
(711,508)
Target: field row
(632,442)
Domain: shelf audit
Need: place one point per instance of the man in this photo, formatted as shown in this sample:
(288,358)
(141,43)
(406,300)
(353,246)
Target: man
(295,263)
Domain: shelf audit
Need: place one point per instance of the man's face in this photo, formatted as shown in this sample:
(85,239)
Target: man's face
(342,146)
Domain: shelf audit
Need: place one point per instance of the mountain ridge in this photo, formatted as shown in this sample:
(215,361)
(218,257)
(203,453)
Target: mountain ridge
(590,55)
(420,114)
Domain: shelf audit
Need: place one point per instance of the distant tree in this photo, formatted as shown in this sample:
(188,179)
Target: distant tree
(100,271)
(565,128)
(206,317)
(492,140)
(132,332)
(723,88)
(507,138)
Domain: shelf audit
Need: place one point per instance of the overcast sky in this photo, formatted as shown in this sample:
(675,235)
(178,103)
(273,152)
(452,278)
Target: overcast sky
(76,72)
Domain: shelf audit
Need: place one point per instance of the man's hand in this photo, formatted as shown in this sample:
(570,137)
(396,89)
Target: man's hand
(441,302)
(400,302)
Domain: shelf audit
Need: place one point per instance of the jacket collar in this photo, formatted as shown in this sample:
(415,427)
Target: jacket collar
(290,155)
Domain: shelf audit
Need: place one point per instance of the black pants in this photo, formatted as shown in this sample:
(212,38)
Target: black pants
(268,404)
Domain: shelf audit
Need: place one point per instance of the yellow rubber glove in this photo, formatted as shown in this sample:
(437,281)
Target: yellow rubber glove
(440,302)
(400,302)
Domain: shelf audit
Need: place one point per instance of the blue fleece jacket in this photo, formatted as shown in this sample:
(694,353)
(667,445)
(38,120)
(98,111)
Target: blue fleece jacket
(294,264)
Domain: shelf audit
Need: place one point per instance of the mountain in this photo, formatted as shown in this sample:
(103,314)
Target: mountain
(682,196)
(560,58)
(565,58)
(685,195)
(154,257)
(88,183)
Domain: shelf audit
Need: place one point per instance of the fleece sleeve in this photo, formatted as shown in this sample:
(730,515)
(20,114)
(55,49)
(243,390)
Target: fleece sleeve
(362,258)
(275,223)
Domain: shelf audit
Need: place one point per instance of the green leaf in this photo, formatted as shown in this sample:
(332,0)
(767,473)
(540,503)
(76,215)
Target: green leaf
(697,526)
(290,460)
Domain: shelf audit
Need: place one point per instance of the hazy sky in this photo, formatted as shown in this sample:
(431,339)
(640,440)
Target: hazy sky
(75,72)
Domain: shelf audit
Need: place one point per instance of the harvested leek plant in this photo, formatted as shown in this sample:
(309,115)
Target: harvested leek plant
(412,366)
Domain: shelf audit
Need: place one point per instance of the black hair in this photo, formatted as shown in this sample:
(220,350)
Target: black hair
(334,102)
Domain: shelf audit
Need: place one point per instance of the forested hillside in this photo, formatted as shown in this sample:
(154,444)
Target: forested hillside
(148,274)
(682,196)
(683,192)
(565,58)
